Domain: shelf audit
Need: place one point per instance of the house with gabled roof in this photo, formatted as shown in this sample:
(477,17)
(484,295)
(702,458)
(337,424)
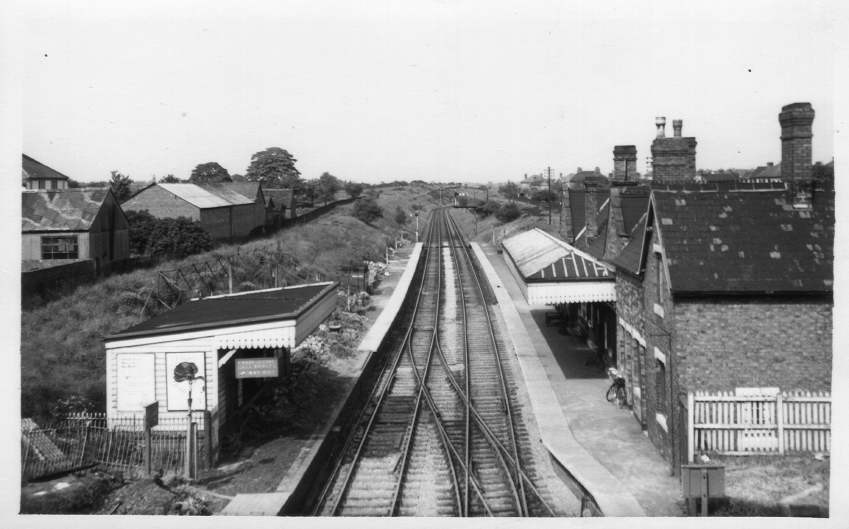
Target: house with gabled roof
(71,225)
(226,210)
(719,290)
(36,175)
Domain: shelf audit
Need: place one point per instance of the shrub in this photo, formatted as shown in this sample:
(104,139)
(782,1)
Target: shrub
(489,208)
(508,212)
(367,210)
(400,216)
(175,238)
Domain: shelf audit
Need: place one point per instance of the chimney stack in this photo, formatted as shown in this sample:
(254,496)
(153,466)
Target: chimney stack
(591,192)
(673,159)
(796,120)
(624,163)
(660,123)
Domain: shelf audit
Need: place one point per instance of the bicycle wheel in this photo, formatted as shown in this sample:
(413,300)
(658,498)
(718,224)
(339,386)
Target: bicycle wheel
(611,393)
(621,396)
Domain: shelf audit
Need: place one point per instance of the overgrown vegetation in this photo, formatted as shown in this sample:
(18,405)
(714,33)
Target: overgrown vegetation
(173,238)
(508,212)
(69,332)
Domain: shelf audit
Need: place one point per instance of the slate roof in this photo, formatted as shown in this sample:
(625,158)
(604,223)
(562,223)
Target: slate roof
(766,171)
(630,258)
(207,195)
(738,241)
(32,169)
(246,189)
(541,257)
(232,309)
(635,202)
(65,210)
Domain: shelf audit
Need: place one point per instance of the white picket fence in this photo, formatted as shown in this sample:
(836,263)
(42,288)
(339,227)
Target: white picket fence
(778,423)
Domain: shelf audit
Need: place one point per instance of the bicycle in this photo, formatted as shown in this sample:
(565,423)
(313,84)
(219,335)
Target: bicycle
(616,392)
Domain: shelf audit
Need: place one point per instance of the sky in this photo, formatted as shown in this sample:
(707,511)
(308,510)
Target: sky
(434,90)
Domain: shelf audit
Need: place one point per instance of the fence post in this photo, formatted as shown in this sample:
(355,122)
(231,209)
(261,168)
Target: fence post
(207,427)
(148,450)
(779,411)
(691,410)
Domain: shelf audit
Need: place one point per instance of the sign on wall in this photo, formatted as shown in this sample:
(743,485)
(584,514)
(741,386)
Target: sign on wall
(257,367)
(178,392)
(136,384)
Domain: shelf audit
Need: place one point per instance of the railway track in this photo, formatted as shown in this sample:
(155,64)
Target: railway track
(441,434)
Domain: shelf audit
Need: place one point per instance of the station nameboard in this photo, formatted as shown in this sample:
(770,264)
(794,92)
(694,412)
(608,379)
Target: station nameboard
(257,367)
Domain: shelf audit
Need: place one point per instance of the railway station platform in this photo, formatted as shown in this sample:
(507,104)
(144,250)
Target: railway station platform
(600,445)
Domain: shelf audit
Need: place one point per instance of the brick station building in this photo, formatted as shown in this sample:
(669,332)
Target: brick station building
(721,287)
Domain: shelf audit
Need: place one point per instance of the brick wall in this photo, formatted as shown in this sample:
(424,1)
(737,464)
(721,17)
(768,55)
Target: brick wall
(161,204)
(727,344)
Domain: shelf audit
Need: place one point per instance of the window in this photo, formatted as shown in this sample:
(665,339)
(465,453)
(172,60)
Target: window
(41,184)
(660,387)
(54,184)
(59,247)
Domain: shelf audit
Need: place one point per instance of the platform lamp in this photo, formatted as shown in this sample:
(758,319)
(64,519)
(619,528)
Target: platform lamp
(187,372)
(417,225)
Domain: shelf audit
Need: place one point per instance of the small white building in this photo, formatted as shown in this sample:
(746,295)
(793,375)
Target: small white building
(235,341)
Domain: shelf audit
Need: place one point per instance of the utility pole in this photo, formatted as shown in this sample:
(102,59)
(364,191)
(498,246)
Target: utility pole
(548,169)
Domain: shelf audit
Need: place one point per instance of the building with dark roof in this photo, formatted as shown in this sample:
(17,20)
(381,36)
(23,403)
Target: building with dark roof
(237,343)
(226,210)
(71,225)
(721,286)
(36,175)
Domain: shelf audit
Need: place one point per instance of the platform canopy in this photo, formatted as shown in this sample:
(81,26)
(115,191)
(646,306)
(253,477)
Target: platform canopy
(550,271)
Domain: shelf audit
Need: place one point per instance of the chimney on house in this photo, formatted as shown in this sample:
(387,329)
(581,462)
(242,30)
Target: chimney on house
(673,159)
(796,120)
(624,163)
(660,123)
(591,192)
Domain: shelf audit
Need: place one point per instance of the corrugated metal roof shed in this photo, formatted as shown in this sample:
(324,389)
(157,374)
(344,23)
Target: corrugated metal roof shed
(206,196)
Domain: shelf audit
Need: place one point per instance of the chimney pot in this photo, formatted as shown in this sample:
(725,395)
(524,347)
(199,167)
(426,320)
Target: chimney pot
(677,124)
(660,123)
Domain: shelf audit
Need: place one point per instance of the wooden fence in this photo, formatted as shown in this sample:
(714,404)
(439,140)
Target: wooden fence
(780,423)
(82,440)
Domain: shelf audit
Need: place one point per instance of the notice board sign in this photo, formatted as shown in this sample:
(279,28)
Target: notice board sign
(178,392)
(257,367)
(151,415)
(135,384)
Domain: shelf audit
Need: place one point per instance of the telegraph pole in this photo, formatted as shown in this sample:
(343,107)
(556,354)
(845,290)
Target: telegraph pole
(548,169)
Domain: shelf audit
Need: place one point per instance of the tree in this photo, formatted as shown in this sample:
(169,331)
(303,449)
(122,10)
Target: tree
(400,216)
(354,189)
(209,173)
(170,179)
(73,184)
(274,167)
(509,190)
(327,187)
(120,185)
(238,178)
(367,210)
